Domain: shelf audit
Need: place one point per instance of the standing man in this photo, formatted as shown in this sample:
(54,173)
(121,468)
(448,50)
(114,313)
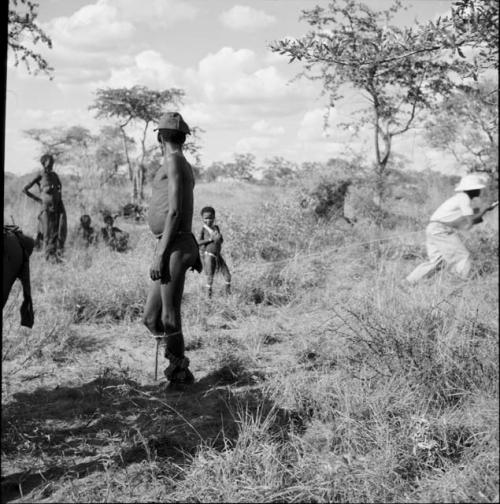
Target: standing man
(52,219)
(170,219)
(442,240)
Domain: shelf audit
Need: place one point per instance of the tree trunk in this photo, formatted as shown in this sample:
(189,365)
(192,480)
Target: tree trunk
(125,148)
(138,183)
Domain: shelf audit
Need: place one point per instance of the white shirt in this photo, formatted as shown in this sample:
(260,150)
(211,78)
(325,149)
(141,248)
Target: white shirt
(453,208)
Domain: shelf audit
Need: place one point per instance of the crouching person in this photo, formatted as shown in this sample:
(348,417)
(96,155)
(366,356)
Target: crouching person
(112,236)
(170,220)
(443,243)
(84,234)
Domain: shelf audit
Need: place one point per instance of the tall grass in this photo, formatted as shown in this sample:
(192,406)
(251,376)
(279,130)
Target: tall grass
(322,377)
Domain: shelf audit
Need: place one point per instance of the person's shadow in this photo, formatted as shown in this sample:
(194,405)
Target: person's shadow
(113,418)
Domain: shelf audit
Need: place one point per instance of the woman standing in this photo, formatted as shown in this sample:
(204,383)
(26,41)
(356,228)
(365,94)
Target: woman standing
(52,221)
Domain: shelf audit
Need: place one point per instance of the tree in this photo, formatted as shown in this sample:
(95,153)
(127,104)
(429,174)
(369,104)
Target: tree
(95,159)
(65,144)
(466,125)
(136,106)
(109,155)
(396,69)
(22,26)
(243,167)
(278,170)
(214,171)
(470,24)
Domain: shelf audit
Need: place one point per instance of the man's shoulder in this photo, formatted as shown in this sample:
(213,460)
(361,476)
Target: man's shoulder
(462,199)
(177,161)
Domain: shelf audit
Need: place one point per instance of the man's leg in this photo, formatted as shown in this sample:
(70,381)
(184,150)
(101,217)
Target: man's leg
(184,256)
(171,297)
(152,310)
(434,263)
(457,256)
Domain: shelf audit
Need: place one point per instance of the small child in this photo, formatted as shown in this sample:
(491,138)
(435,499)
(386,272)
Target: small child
(84,235)
(210,242)
(114,237)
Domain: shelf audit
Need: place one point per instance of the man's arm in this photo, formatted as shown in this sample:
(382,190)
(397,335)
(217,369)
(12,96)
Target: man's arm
(173,217)
(27,187)
(467,221)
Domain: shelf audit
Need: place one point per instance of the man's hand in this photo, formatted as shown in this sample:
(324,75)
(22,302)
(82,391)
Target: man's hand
(157,267)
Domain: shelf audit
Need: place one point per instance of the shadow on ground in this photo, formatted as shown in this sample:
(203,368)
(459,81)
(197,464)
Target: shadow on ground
(76,431)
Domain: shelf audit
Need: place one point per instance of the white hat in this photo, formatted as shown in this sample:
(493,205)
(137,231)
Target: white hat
(470,182)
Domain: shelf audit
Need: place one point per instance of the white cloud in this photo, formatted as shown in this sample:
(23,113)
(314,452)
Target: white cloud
(254,144)
(104,34)
(92,27)
(242,17)
(107,23)
(148,68)
(155,13)
(58,117)
(235,76)
(312,126)
(264,126)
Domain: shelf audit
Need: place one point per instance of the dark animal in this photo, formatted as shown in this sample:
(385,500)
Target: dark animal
(327,200)
(17,248)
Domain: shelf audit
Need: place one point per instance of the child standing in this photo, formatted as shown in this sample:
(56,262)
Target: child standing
(210,242)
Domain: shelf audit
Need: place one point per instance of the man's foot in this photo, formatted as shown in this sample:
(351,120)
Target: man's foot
(179,376)
(177,371)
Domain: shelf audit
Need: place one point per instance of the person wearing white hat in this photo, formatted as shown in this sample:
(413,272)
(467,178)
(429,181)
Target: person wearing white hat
(443,243)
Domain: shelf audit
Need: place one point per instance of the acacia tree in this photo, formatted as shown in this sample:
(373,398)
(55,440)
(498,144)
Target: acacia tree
(396,69)
(95,159)
(65,144)
(466,125)
(472,24)
(278,170)
(136,106)
(24,31)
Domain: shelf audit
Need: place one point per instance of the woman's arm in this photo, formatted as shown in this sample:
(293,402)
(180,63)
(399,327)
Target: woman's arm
(27,187)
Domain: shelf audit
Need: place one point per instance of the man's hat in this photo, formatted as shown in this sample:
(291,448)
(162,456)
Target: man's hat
(470,182)
(173,121)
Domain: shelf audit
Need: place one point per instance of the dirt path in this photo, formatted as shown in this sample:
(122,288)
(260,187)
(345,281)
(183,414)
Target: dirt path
(73,416)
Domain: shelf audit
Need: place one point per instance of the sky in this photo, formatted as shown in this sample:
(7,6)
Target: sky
(241,94)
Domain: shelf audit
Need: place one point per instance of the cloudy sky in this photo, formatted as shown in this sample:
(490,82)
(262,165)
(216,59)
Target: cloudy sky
(238,91)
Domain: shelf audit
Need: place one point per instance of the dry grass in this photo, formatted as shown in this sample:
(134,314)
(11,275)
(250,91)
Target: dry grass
(323,377)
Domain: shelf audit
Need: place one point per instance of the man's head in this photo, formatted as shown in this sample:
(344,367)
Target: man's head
(47,161)
(172,128)
(208,215)
(85,221)
(471,184)
(108,219)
